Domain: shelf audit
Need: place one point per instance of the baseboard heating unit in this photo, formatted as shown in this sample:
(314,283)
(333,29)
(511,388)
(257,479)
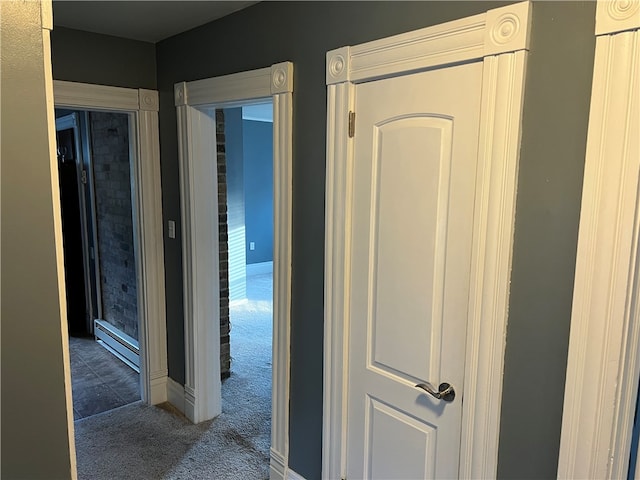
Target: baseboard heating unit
(123,346)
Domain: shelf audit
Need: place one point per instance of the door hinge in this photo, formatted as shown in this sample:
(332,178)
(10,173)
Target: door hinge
(84,177)
(352,124)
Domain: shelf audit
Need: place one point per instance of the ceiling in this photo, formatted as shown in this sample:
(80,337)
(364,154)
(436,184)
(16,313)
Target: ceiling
(149,21)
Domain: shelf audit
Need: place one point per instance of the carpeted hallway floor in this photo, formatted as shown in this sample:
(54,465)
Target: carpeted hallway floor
(141,442)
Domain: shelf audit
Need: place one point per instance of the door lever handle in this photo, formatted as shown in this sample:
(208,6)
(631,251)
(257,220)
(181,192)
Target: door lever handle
(445,391)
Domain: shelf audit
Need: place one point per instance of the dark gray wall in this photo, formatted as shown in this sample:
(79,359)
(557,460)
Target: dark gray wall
(556,109)
(257,138)
(79,56)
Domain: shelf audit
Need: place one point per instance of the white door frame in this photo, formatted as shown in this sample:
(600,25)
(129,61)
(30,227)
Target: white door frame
(195,102)
(147,218)
(604,344)
(499,39)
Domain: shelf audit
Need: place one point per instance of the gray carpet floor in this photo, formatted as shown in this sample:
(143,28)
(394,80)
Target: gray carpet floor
(141,442)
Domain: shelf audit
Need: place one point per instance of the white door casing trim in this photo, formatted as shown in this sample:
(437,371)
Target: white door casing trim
(291,475)
(604,343)
(175,394)
(500,39)
(147,210)
(198,186)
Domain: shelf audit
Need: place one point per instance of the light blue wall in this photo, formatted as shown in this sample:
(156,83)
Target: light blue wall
(258,189)
(235,203)
(248,147)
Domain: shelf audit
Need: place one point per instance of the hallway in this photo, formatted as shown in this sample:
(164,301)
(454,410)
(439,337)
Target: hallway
(160,443)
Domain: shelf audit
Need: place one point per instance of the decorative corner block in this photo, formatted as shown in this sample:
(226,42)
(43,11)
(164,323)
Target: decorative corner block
(338,65)
(508,29)
(282,78)
(180,93)
(613,16)
(148,100)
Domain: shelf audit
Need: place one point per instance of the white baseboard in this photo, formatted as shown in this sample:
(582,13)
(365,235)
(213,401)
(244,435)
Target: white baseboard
(189,404)
(279,470)
(259,268)
(158,390)
(291,475)
(277,466)
(123,346)
(175,394)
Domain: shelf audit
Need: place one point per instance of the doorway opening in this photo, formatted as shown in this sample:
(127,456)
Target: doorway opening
(201,396)
(95,170)
(245,199)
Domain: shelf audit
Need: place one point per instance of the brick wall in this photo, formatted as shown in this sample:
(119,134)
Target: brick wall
(112,184)
(225,327)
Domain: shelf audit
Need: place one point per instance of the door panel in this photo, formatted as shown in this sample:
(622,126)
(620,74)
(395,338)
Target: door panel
(414,456)
(414,188)
(413,197)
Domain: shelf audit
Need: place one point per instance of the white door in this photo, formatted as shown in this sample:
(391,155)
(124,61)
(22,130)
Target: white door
(416,149)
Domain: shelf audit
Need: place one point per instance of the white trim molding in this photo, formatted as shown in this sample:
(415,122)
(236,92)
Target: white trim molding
(98,97)
(196,103)
(280,471)
(615,16)
(291,475)
(199,191)
(277,466)
(499,39)
(142,105)
(175,394)
(604,343)
(282,211)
